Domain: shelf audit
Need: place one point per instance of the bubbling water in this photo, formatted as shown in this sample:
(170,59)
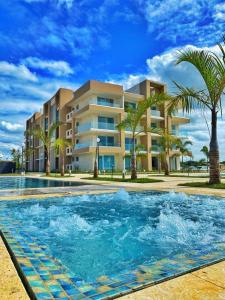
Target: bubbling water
(108,233)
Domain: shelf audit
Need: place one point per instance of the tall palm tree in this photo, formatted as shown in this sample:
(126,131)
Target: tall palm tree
(205,151)
(184,149)
(212,70)
(46,138)
(60,145)
(132,121)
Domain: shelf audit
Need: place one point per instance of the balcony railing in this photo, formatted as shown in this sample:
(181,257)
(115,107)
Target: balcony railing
(105,103)
(96,125)
(155,113)
(138,129)
(155,148)
(92,144)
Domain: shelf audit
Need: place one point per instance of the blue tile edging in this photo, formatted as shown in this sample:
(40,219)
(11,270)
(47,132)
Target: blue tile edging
(45,277)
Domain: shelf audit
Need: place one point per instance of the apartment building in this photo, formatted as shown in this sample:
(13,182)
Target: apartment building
(52,111)
(91,114)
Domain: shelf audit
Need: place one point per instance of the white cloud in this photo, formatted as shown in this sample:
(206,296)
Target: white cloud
(20,72)
(220,12)
(57,68)
(68,3)
(184,20)
(11,126)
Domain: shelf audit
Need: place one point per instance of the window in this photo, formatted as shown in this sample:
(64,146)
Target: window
(105,101)
(106,162)
(106,140)
(153,107)
(106,123)
(77,158)
(57,116)
(77,124)
(77,107)
(153,125)
(127,162)
(129,143)
(129,105)
(77,141)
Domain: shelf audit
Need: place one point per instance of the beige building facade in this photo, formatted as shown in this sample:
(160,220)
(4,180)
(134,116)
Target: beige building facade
(91,114)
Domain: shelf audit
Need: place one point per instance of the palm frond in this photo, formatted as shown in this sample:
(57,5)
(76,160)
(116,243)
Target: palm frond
(210,68)
(187,99)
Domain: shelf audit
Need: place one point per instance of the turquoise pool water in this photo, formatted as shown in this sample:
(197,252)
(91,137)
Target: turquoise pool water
(19,182)
(110,234)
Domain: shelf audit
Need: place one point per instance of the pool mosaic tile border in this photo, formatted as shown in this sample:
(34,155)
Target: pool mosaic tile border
(48,279)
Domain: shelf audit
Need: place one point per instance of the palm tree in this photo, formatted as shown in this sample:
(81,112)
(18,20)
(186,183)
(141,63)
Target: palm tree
(132,121)
(46,139)
(167,143)
(205,151)
(140,150)
(60,145)
(212,70)
(184,149)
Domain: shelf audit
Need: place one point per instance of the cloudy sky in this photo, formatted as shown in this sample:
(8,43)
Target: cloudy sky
(47,44)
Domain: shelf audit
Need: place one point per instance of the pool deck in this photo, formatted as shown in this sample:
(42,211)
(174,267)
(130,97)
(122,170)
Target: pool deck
(206,283)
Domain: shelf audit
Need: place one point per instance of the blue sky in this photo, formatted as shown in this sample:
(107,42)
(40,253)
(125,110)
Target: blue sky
(47,44)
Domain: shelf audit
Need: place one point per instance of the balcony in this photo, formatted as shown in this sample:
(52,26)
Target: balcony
(155,148)
(95,125)
(93,144)
(69,117)
(69,151)
(69,133)
(156,114)
(104,102)
(138,129)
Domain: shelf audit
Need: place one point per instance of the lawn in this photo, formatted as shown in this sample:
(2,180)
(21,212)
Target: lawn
(203,185)
(116,179)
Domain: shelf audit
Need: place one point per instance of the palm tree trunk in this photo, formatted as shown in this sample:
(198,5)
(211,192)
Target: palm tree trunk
(182,159)
(47,164)
(63,165)
(166,166)
(133,161)
(214,162)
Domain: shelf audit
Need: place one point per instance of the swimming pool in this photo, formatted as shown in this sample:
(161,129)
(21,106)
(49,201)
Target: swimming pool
(19,182)
(110,244)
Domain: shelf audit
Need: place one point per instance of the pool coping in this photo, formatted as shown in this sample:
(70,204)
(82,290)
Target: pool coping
(132,290)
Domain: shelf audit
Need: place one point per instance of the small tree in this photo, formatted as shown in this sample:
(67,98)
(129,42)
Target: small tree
(184,149)
(167,143)
(60,145)
(132,121)
(46,139)
(16,157)
(205,151)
